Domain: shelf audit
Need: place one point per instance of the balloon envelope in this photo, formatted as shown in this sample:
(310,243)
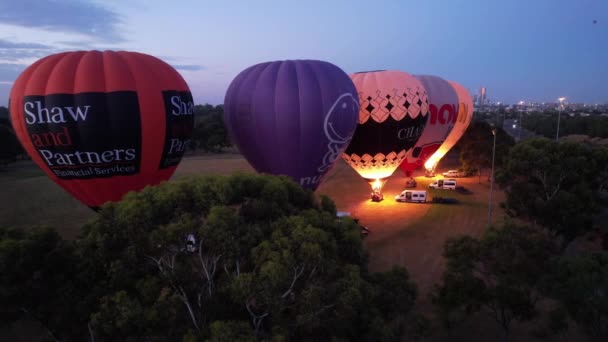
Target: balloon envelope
(292,118)
(101,124)
(465,115)
(392,116)
(443,108)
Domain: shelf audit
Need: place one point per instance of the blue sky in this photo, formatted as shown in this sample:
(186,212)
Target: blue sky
(534,50)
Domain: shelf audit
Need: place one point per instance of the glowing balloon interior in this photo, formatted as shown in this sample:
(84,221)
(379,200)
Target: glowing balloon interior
(465,115)
(392,116)
(443,104)
(101,124)
(292,118)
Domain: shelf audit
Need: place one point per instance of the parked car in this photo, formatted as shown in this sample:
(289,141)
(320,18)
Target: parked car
(410,183)
(463,190)
(453,173)
(444,200)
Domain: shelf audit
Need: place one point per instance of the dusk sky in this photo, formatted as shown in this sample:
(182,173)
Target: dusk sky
(532,50)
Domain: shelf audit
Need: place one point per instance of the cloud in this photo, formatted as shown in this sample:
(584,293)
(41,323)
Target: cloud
(188,67)
(5,44)
(17,51)
(64,16)
(19,55)
(9,72)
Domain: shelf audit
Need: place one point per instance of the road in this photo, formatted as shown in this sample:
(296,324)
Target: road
(511,126)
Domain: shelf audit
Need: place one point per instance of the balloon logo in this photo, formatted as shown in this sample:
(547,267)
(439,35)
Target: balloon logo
(101,124)
(443,107)
(392,116)
(464,117)
(292,118)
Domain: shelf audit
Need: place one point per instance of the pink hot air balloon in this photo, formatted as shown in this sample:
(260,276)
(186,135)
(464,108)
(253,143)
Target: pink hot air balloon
(443,108)
(465,114)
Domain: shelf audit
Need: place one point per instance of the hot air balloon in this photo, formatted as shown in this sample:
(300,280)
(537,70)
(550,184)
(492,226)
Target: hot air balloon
(465,114)
(392,116)
(443,108)
(101,124)
(292,117)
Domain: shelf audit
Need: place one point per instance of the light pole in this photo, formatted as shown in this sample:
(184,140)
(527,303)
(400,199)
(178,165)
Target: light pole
(521,103)
(559,114)
(519,124)
(492,178)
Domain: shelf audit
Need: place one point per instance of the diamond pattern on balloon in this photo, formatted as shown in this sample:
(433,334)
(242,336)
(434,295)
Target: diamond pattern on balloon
(379,161)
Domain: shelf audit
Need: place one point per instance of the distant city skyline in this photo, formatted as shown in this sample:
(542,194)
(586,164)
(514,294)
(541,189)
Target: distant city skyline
(518,50)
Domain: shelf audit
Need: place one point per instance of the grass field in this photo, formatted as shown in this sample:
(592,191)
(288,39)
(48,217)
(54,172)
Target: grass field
(407,234)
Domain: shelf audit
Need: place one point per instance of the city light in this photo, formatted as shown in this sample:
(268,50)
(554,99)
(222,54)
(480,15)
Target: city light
(559,114)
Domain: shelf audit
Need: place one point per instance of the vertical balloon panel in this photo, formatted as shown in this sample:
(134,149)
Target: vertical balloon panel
(292,117)
(101,124)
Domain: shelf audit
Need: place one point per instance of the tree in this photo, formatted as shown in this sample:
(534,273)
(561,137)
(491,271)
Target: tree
(10,147)
(580,284)
(476,147)
(552,184)
(4,115)
(210,132)
(271,261)
(36,266)
(545,124)
(499,274)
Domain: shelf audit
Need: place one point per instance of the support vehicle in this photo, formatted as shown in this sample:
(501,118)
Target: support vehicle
(418,196)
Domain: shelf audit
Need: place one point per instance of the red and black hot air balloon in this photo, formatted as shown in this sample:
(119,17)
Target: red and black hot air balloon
(101,124)
(393,114)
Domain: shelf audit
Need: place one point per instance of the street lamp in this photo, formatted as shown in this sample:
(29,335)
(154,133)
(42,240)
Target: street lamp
(492,178)
(559,114)
(519,124)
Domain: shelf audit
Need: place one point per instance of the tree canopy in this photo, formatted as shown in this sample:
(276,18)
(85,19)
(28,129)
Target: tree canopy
(579,283)
(210,132)
(269,261)
(546,125)
(554,184)
(476,146)
(500,274)
(10,147)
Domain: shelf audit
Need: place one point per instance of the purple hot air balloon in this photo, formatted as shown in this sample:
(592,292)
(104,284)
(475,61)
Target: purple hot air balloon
(292,117)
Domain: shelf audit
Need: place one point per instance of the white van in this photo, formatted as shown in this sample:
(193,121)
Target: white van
(449,184)
(411,196)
